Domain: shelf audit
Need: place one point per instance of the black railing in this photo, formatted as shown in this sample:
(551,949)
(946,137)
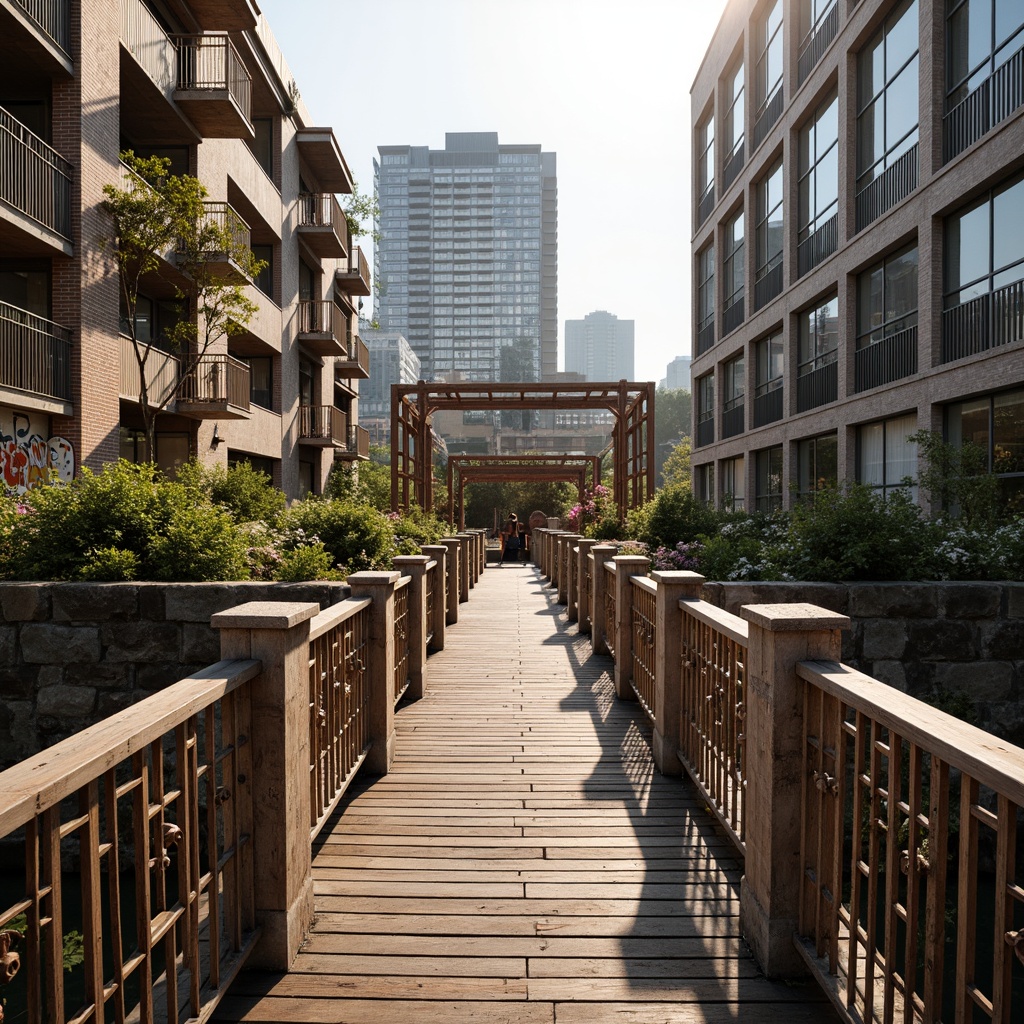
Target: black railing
(706,430)
(732,316)
(990,320)
(817,43)
(53,17)
(706,335)
(705,204)
(768,116)
(894,184)
(733,419)
(733,166)
(768,285)
(817,387)
(35,354)
(768,403)
(818,246)
(982,109)
(890,359)
(34,178)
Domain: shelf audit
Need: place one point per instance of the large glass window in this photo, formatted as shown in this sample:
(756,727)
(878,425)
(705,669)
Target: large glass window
(706,161)
(732,272)
(706,409)
(261,381)
(887,94)
(886,459)
(734,385)
(818,340)
(768,479)
(769,235)
(705,299)
(996,424)
(704,482)
(769,58)
(734,115)
(768,380)
(733,483)
(819,22)
(817,464)
(981,36)
(887,298)
(819,186)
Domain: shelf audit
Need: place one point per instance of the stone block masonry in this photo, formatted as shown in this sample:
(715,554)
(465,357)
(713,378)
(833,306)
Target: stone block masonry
(73,653)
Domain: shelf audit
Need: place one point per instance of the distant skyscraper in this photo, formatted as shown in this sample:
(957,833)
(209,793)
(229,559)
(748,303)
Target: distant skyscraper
(392,361)
(600,346)
(677,373)
(466,262)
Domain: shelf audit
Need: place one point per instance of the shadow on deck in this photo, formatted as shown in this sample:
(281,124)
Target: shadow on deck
(523,861)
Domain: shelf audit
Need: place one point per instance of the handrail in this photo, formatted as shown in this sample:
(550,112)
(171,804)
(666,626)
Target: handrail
(53,18)
(402,637)
(35,353)
(644,624)
(210,62)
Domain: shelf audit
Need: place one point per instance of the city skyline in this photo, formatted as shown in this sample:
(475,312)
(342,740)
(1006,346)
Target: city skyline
(609,95)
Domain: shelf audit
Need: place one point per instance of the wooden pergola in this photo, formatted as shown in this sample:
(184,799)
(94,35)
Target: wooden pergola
(469,469)
(632,436)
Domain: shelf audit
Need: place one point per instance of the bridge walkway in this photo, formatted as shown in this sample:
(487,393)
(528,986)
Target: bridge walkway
(523,862)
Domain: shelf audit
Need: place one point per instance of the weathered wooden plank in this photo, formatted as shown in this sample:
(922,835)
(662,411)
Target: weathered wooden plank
(375,1011)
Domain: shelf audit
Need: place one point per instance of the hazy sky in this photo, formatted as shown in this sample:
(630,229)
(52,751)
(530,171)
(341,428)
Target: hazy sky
(602,83)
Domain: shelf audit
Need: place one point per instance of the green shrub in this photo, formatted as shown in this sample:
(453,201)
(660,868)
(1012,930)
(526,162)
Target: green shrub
(307,562)
(414,528)
(245,493)
(111,565)
(676,515)
(197,543)
(355,536)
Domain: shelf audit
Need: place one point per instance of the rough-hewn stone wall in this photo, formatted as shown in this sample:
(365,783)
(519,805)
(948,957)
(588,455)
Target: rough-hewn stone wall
(73,653)
(941,642)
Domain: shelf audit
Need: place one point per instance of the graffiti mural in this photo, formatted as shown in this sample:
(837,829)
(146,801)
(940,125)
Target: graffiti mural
(28,458)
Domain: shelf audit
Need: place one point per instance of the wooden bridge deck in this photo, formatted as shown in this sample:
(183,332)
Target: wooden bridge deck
(523,862)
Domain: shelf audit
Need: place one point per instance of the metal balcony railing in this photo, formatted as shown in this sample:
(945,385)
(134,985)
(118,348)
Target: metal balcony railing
(34,178)
(705,429)
(320,316)
(770,113)
(892,358)
(322,210)
(706,335)
(818,386)
(35,354)
(768,285)
(53,18)
(733,418)
(355,277)
(817,42)
(162,370)
(894,184)
(153,49)
(993,319)
(817,246)
(323,423)
(768,403)
(217,379)
(733,166)
(359,441)
(229,224)
(982,109)
(210,62)
(705,204)
(732,315)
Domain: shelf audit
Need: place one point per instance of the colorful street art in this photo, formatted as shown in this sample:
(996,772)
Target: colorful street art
(28,459)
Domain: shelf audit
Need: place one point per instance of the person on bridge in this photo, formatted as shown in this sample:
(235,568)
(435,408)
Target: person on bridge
(511,539)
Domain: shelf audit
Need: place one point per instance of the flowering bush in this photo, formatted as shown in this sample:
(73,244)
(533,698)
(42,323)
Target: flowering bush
(595,515)
(681,557)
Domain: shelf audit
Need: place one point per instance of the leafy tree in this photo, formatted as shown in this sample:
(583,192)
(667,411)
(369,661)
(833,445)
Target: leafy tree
(957,479)
(370,483)
(159,216)
(676,469)
(360,207)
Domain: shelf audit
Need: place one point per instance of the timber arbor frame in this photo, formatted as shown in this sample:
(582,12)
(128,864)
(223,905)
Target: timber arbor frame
(468,469)
(632,440)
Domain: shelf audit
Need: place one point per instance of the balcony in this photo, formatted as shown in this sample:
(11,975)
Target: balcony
(35,354)
(39,31)
(768,403)
(213,86)
(885,361)
(224,238)
(35,193)
(357,447)
(819,385)
(323,426)
(768,285)
(355,364)
(985,107)
(892,186)
(733,418)
(986,322)
(162,370)
(320,152)
(355,279)
(770,113)
(733,166)
(706,335)
(705,429)
(322,327)
(215,387)
(323,225)
(732,315)
(817,42)
(705,204)
(225,15)
(818,246)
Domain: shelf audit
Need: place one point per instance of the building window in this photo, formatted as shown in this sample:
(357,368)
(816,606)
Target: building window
(265,278)
(263,145)
(705,299)
(768,393)
(704,482)
(768,479)
(817,465)
(995,423)
(706,170)
(887,115)
(817,354)
(886,458)
(818,233)
(733,484)
(819,23)
(984,61)
(705,410)
(734,386)
(733,274)
(734,115)
(984,261)
(887,321)
(768,237)
(769,71)
(261,381)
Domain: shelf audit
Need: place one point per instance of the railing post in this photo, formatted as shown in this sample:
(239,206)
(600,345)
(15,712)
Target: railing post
(582,590)
(599,554)
(627,566)
(780,635)
(380,588)
(481,551)
(572,555)
(672,588)
(565,543)
(277,633)
(454,577)
(469,554)
(465,565)
(439,552)
(415,566)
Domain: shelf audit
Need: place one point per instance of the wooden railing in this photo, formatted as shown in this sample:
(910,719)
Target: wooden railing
(53,17)
(35,354)
(34,178)
(610,616)
(339,704)
(216,379)
(153,806)
(400,682)
(645,641)
(162,370)
(210,62)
